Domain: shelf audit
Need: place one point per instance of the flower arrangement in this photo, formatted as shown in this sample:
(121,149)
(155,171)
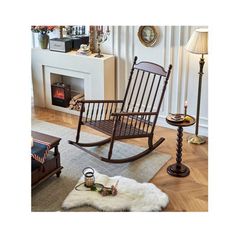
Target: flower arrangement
(43,29)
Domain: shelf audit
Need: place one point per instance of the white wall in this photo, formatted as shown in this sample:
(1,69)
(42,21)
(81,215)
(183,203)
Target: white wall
(183,85)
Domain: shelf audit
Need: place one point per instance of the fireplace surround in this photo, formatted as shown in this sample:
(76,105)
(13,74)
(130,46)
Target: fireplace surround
(97,74)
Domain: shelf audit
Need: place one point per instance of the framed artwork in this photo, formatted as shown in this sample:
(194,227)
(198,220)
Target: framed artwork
(148,35)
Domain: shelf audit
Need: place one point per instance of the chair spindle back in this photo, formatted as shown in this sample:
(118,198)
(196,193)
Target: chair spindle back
(145,90)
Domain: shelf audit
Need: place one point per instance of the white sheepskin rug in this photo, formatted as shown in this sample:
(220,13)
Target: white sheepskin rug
(131,196)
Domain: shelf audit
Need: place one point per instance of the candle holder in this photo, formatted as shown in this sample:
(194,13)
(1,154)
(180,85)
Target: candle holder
(92,38)
(101,38)
(89,178)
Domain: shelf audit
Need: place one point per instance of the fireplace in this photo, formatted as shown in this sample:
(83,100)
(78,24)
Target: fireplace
(93,77)
(61,94)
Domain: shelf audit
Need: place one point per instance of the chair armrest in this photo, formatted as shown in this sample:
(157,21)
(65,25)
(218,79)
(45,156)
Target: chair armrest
(101,101)
(133,113)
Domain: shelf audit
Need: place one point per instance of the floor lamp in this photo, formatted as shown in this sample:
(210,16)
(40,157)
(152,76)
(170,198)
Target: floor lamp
(198,44)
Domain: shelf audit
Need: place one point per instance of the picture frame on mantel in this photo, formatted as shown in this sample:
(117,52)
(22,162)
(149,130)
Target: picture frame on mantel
(148,35)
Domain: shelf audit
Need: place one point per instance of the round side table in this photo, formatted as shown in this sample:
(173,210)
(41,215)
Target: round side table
(178,169)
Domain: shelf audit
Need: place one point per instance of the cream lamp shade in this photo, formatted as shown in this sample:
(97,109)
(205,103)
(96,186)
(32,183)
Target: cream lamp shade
(198,43)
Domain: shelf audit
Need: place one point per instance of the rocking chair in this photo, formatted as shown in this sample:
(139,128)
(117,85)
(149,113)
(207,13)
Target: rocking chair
(133,117)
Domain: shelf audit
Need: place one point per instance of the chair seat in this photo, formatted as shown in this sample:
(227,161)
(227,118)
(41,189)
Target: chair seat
(123,130)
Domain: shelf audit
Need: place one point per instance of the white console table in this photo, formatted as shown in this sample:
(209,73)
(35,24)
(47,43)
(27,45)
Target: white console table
(98,75)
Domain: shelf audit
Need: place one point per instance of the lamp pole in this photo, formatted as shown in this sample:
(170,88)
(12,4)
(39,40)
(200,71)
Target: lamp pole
(195,139)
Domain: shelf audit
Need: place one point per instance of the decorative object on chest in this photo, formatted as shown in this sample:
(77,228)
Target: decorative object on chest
(43,40)
(60,44)
(79,40)
(84,50)
(43,31)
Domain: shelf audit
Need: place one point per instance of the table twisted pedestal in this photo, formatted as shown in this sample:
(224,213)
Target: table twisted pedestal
(178,169)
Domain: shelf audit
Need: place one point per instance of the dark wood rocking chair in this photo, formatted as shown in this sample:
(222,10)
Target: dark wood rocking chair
(133,117)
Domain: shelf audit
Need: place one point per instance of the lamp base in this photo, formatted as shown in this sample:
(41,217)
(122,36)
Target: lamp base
(194,139)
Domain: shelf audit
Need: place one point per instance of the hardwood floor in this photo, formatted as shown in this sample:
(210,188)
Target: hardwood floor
(186,194)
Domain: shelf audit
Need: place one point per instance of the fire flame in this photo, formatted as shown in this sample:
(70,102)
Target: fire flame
(58,93)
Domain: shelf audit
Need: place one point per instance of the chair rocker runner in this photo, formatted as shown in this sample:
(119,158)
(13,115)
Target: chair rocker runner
(133,117)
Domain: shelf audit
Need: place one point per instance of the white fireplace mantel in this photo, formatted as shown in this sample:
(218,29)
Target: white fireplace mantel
(98,75)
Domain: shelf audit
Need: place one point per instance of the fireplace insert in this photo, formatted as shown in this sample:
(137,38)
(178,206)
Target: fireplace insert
(61,94)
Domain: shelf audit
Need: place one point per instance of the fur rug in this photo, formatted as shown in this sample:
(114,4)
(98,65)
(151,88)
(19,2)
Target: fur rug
(132,196)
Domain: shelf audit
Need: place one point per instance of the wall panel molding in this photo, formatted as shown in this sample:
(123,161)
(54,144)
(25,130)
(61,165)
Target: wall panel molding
(170,50)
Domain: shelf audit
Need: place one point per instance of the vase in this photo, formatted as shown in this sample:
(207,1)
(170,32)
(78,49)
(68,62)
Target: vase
(43,40)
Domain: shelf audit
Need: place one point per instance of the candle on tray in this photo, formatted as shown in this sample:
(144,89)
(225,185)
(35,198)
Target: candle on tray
(185,108)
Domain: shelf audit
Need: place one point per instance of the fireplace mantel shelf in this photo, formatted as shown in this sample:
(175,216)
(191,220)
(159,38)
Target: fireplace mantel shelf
(72,53)
(98,75)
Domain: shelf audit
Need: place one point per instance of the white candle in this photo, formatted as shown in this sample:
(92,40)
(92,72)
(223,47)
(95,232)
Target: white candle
(185,107)
(185,103)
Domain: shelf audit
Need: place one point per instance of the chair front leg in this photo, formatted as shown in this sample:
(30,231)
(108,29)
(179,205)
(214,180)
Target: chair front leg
(113,137)
(80,123)
(150,141)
